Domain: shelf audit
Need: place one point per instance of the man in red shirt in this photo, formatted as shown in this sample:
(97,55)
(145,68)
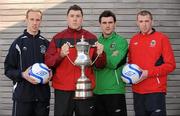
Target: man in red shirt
(152,51)
(60,55)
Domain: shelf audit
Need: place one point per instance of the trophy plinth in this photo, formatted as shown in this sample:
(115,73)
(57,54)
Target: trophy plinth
(83,88)
(83,85)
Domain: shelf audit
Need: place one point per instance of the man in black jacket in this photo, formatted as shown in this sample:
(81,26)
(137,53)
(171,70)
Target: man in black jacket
(29,97)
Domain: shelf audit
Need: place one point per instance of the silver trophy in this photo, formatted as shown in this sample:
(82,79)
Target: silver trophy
(83,85)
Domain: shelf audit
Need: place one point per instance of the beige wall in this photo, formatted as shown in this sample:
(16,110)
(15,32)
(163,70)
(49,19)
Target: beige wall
(166,15)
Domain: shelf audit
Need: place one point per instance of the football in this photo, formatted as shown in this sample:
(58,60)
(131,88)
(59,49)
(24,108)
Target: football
(131,73)
(39,72)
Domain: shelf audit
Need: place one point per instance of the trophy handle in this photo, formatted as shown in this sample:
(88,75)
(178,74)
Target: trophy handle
(91,63)
(70,60)
(95,60)
(93,46)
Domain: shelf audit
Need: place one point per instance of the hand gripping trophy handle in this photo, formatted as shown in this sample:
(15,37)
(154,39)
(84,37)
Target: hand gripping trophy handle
(83,54)
(83,85)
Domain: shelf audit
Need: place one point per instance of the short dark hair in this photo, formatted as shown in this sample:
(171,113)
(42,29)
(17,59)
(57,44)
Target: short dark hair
(144,13)
(75,7)
(107,13)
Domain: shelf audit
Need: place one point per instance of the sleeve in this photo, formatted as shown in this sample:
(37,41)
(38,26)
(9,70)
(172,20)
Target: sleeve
(12,64)
(101,61)
(117,56)
(168,64)
(52,55)
(129,53)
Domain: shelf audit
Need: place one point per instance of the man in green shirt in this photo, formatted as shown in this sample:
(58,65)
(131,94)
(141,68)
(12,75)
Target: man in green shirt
(110,89)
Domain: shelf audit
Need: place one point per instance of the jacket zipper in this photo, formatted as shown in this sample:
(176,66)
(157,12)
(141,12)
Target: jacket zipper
(116,77)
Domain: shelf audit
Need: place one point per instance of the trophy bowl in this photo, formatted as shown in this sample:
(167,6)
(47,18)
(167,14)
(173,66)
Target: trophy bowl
(82,48)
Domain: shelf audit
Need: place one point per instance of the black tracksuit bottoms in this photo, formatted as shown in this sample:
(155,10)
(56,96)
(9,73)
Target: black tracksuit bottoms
(152,104)
(34,108)
(66,105)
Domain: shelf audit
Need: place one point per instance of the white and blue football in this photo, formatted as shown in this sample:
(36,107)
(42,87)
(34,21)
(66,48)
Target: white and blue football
(39,72)
(131,73)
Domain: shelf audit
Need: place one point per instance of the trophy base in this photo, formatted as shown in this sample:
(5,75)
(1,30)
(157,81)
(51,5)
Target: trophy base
(83,86)
(83,94)
(81,98)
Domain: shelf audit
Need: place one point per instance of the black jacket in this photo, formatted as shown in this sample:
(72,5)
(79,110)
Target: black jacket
(24,52)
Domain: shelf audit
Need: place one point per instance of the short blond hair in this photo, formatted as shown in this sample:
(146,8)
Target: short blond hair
(33,10)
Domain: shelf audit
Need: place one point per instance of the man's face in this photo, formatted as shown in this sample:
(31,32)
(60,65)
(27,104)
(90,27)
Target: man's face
(33,22)
(75,19)
(144,23)
(107,25)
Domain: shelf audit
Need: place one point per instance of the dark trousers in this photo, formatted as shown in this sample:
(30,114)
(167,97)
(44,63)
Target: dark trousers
(150,104)
(66,105)
(110,105)
(36,108)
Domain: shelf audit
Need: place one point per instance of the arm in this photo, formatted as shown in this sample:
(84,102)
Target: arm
(12,64)
(168,64)
(129,53)
(52,55)
(100,55)
(118,56)
(101,60)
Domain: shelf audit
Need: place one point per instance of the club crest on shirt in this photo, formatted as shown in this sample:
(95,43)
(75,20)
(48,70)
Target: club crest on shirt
(153,43)
(115,53)
(113,46)
(42,49)
(135,43)
(113,49)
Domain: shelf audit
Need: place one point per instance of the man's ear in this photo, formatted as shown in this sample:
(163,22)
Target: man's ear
(82,20)
(152,22)
(25,20)
(137,23)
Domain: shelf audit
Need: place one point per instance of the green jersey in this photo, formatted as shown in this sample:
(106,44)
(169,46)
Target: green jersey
(108,80)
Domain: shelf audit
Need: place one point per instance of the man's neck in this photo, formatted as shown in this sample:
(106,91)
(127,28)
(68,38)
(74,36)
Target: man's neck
(107,35)
(32,33)
(147,33)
